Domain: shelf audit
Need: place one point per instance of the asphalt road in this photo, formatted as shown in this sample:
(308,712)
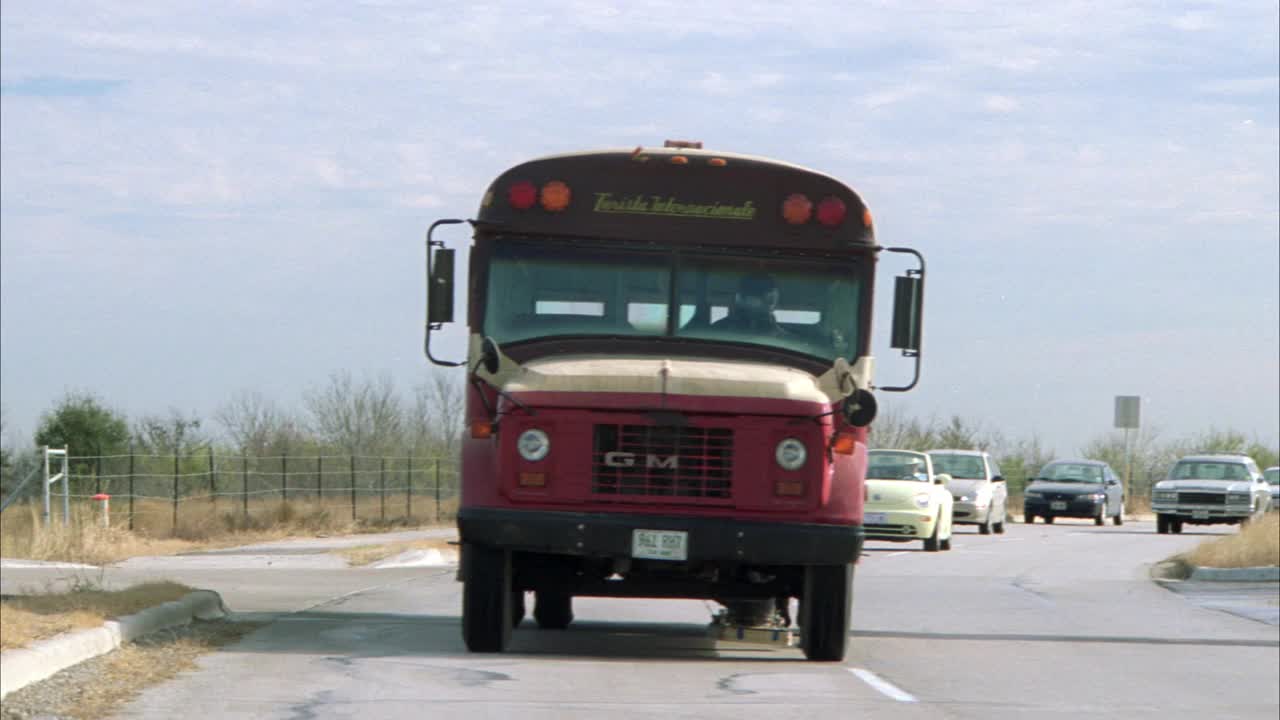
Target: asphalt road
(1042,622)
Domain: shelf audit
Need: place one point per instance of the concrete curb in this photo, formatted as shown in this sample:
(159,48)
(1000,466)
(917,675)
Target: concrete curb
(22,666)
(1248,574)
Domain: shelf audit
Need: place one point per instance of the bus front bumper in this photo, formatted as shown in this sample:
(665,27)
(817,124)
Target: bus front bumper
(612,535)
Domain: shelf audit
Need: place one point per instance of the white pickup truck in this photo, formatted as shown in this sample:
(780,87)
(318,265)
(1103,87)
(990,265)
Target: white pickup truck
(1210,490)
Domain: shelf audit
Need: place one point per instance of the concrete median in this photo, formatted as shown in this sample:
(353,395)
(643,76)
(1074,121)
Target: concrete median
(23,666)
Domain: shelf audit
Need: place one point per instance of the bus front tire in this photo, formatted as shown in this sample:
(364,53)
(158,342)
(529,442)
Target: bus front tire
(487,598)
(824,611)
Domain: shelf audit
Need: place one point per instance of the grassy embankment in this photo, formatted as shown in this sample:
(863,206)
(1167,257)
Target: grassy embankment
(202,524)
(1256,545)
(27,618)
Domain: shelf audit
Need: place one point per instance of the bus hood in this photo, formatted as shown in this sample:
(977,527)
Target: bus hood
(680,377)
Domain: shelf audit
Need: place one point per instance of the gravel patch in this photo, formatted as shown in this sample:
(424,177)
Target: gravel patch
(95,688)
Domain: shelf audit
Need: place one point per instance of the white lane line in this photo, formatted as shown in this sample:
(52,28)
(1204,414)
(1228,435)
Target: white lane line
(882,685)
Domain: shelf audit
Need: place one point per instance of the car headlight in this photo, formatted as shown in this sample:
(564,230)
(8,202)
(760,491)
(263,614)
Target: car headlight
(791,454)
(922,499)
(1165,495)
(1093,497)
(533,445)
(1032,495)
(1239,498)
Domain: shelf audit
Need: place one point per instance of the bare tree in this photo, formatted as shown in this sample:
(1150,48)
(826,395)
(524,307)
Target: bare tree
(361,417)
(257,425)
(175,434)
(449,398)
(894,429)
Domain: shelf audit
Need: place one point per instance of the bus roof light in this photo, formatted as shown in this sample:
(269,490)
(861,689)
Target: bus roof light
(797,209)
(522,194)
(679,160)
(717,162)
(831,211)
(555,196)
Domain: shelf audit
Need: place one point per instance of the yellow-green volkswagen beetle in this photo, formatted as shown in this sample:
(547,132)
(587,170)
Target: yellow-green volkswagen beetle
(906,501)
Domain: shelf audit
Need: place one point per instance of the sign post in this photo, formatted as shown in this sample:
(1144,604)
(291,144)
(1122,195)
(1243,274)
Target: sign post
(1128,412)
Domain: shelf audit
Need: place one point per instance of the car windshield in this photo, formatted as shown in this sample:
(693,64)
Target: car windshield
(1071,472)
(891,465)
(961,467)
(538,291)
(1272,475)
(1204,470)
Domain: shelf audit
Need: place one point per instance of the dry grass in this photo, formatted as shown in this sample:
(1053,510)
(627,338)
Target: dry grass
(369,554)
(1256,545)
(111,681)
(27,618)
(202,524)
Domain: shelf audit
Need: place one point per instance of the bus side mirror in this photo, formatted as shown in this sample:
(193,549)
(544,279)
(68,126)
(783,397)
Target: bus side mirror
(440,287)
(907,314)
(439,290)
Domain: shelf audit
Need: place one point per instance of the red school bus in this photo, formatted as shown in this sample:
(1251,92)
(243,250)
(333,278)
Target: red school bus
(669,388)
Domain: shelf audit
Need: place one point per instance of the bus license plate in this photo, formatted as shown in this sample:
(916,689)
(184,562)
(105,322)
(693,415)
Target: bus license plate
(660,544)
(1057,505)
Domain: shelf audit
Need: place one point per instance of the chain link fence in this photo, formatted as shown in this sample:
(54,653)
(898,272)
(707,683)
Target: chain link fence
(162,493)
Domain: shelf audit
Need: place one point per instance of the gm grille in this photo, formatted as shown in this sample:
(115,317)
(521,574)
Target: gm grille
(1202,498)
(647,461)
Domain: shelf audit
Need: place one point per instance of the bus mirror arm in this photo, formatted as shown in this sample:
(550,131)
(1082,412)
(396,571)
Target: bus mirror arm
(908,315)
(439,290)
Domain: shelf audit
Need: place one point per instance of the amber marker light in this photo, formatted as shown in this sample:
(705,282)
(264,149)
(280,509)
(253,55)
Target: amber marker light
(788,488)
(797,209)
(679,160)
(843,443)
(555,196)
(717,162)
(866,217)
(481,429)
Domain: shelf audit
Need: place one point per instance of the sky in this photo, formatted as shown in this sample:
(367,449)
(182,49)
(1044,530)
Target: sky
(198,199)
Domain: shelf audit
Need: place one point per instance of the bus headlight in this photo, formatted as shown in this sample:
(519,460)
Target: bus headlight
(533,445)
(791,454)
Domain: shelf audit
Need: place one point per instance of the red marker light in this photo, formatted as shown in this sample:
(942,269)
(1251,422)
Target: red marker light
(522,195)
(831,211)
(797,209)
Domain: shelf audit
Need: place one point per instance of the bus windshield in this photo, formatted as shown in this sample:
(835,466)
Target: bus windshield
(804,306)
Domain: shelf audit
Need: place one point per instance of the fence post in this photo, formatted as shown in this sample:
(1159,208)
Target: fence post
(382,489)
(66,486)
(244,482)
(353,488)
(175,492)
(437,490)
(408,492)
(213,482)
(284,478)
(131,485)
(97,472)
(320,480)
(44,451)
